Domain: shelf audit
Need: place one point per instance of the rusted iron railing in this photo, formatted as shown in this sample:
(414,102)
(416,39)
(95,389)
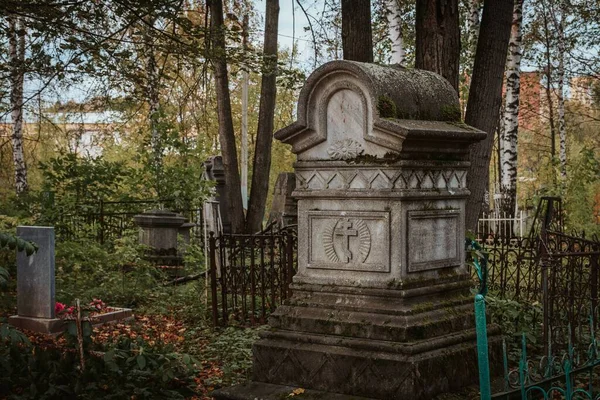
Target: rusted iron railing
(250,275)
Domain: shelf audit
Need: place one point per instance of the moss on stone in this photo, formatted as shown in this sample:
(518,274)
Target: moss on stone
(450,112)
(387,159)
(386,107)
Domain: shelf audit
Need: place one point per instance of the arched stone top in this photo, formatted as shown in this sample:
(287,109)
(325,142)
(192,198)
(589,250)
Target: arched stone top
(348,108)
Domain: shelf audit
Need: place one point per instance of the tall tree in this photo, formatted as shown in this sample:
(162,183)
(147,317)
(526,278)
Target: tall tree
(264,135)
(395,31)
(357,34)
(485,97)
(226,132)
(510,121)
(438,38)
(559,18)
(17,57)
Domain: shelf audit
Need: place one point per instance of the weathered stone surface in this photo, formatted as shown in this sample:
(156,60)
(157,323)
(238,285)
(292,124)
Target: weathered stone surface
(214,171)
(284,208)
(381,304)
(35,274)
(159,228)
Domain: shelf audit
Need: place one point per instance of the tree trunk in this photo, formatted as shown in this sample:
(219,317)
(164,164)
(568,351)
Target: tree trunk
(395,31)
(357,36)
(17,56)
(152,97)
(438,38)
(510,119)
(264,134)
(485,97)
(562,129)
(474,13)
(548,73)
(226,132)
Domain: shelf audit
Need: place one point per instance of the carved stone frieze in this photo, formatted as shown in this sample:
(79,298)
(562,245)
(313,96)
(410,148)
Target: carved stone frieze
(381,179)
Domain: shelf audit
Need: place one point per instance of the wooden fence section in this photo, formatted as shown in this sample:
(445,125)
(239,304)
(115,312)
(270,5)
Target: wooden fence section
(250,275)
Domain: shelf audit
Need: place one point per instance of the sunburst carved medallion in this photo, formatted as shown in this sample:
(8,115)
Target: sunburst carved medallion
(347,241)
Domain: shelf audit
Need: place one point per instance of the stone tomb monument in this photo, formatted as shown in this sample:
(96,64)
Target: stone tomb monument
(381,305)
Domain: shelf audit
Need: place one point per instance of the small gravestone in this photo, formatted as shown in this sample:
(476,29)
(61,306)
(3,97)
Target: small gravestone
(214,171)
(35,282)
(35,287)
(284,208)
(381,304)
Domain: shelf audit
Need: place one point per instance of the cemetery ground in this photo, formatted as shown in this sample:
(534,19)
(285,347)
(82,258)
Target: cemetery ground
(168,351)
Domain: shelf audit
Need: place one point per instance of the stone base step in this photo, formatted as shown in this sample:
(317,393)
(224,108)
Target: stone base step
(268,391)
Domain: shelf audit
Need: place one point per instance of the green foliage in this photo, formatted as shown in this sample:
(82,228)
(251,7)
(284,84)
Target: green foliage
(125,369)
(120,276)
(9,241)
(232,347)
(516,318)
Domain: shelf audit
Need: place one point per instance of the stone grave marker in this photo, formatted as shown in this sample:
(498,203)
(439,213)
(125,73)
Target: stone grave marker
(214,170)
(35,282)
(35,286)
(381,306)
(284,208)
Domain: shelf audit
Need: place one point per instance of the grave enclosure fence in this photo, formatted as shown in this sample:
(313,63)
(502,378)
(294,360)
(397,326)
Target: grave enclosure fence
(250,275)
(561,273)
(105,221)
(558,271)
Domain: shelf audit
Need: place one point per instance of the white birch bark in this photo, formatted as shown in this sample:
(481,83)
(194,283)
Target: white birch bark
(562,130)
(395,31)
(509,138)
(473,23)
(16,50)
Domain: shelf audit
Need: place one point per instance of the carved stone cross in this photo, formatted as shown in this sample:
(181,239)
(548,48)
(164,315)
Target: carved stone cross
(345,230)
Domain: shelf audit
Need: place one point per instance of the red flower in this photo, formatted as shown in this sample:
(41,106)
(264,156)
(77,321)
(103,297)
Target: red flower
(58,307)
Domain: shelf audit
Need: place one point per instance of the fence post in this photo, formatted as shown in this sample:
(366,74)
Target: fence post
(544,263)
(594,289)
(289,247)
(213,278)
(482,348)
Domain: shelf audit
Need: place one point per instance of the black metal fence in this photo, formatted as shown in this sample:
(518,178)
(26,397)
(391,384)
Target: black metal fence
(106,221)
(557,270)
(250,275)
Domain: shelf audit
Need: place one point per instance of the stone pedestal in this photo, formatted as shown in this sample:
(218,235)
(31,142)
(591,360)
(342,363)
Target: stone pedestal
(159,230)
(381,305)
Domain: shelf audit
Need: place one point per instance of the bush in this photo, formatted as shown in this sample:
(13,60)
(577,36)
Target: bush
(122,370)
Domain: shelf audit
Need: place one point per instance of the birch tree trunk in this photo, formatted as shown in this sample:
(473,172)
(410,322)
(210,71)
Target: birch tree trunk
(510,122)
(226,132)
(485,97)
(16,50)
(395,31)
(473,27)
(548,72)
(264,135)
(562,130)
